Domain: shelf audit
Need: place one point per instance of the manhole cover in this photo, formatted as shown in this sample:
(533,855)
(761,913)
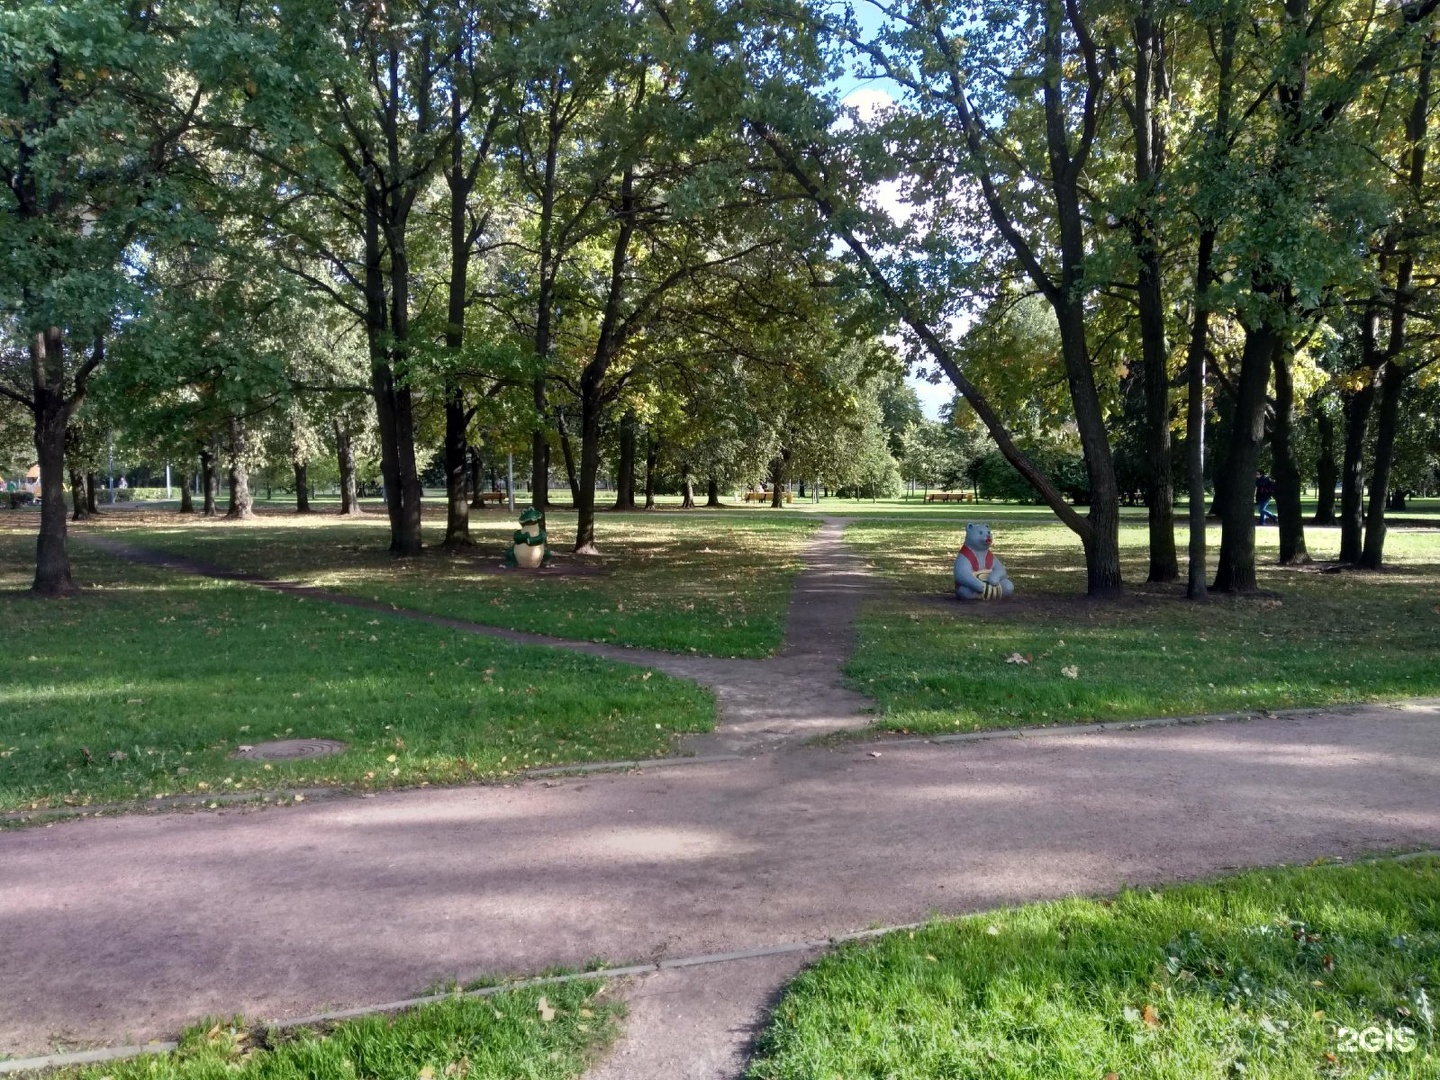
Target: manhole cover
(285,749)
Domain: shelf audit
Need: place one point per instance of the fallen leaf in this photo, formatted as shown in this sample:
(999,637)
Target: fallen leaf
(427,1073)
(1112,1076)
(1150,1016)
(546,1012)
(993,930)
(1071,672)
(1016,658)
(931,959)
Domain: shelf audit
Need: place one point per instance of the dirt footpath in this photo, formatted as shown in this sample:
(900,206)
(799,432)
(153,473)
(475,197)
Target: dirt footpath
(127,928)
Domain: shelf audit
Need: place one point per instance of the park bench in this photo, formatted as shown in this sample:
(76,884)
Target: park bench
(492,496)
(950,496)
(765,496)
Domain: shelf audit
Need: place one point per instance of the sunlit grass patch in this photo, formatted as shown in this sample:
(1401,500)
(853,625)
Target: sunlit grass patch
(1282,974)
(548,1032)
(1051,656)
(712,582)
(146,683)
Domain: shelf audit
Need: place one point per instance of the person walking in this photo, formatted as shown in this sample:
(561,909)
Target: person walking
(1264,494)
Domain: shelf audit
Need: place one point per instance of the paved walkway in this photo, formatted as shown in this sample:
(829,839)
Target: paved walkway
(121,929)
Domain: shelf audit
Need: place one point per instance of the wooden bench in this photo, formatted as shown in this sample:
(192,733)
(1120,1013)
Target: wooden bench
(950,496)
(765,496)
(492,496)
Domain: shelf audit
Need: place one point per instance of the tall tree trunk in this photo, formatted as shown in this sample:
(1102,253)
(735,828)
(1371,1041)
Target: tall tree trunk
(92,485)
(1236,572)
(302,486)
(687,487)
(477,479)
(1356,406)
(777,478)
(625,473)
(1195,412)
(345,459)
(210,482)
(77,495)
(52,561)
(591,408)
(457,514)
(241,503)
(1291,520)
(652,462)
(187,500)
(1147,115)
(1326,472)
(712,493)
(1392,383)
(567,448)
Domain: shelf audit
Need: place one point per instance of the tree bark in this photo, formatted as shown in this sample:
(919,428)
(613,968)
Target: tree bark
(1392,383)
(345,459)
(187,501)
(687,487)
(477,479)
(1326,473)
(1147,120)
(778,471)
(241,503)
(1356,406)
(625,472)
(77,495)
(52,561)
(457,514)
(302,487)
(652,461)
(591,408)
(1236,571)
(92,484)
(1290,518)
(712,493)
(567,449)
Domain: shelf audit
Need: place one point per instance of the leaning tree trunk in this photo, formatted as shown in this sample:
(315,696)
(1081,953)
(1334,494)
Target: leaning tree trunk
(1326,473)
(52,562)
(591,408)
(567,449)
(302,486)
(1236,572)
(1291,522)
(1357,407)
(652,462)
(1392,383)
(345,458)
(241,503)
(625,472)
(712,493)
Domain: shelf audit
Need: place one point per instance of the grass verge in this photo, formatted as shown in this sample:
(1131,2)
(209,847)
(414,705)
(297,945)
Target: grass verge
(145,684)
(540,1033)
(712,582)
(1265,975)
(1050,656)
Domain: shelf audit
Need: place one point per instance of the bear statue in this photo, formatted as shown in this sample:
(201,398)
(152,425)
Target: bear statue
(979,575)
(529,549)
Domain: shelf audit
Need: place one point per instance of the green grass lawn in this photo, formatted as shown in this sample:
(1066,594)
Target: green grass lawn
(1258,975)
(937,666)
(712,582)
(146,683)
(548,1032)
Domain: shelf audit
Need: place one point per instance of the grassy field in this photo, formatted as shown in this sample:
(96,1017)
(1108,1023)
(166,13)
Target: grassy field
(539,1033)
(1263,975)
(147,682)
(712,582)
(938,666)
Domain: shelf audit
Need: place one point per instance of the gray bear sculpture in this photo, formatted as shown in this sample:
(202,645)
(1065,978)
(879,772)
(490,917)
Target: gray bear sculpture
(979,575)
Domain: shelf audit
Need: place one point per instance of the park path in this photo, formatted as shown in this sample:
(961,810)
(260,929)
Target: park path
(760,704)
(126,928)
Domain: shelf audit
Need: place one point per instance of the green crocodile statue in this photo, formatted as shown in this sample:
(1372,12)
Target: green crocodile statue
(529,550)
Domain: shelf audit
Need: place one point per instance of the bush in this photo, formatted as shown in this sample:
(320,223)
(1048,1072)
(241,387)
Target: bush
(996,478)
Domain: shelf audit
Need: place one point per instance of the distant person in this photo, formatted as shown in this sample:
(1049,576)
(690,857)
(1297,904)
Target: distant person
(1264,494)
